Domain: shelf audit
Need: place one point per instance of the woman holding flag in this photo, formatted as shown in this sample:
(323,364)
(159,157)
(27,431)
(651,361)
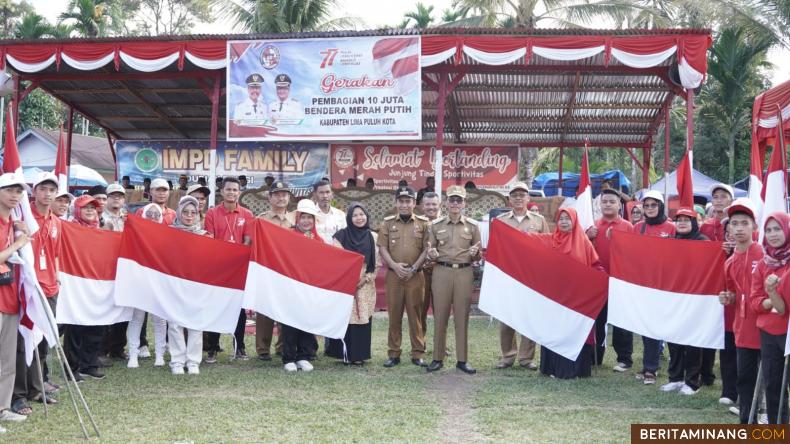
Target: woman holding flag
(570,240)
(769,298)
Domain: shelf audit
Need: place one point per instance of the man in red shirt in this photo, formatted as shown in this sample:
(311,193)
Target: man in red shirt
(721,198)
(46,248)
(601,236)
(160,192)
(232,223)
(11,192)
(738,270)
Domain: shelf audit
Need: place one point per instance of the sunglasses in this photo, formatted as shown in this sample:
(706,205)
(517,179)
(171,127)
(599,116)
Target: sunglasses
(455,199)
(650,205)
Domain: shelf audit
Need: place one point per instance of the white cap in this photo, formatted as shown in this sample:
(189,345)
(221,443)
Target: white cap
(653,194)
(69,195)
(159,183)
(115,188)
(307,206)
(10,179)
(45,176)
(722,186)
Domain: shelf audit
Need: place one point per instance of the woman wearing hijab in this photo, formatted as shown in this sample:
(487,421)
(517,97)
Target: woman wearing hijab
(299,346)
(152,212)
(358,237)
(570,240)
(187,353)
(685,361)
(637,214)
(82,342)
(769,298)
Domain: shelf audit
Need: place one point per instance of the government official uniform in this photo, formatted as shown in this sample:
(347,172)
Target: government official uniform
(427,272)
(289,108)
(530,223)
(249,109)
(452,279)
(405,239)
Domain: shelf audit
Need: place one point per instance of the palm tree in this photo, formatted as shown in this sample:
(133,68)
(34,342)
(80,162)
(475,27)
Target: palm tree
(32,26)
(421,17)
(60,31)
(282,16)
(737,56)
(529,13)
(90,17)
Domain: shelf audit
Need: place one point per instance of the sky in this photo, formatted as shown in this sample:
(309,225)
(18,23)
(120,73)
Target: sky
(376,13)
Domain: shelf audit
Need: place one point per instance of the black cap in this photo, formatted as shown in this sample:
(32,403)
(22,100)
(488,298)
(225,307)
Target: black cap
(97,189)
(254,79)
(279,186)
(405,192)
(282,80)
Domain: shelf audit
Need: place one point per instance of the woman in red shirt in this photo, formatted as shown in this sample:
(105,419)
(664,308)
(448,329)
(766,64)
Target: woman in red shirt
(769,298)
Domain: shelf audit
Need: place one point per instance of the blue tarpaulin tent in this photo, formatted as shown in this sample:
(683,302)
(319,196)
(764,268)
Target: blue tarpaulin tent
(548,182)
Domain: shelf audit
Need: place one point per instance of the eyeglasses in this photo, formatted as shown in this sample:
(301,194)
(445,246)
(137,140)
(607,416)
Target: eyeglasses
(650,205)
(455,199)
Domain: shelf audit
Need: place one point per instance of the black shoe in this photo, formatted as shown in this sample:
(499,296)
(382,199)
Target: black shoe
(105,362)
(265,357)
(93,373)
(78,377)
(466,368)
(419,362)
(241,355)
(391,362)
(211,357)
(434,366)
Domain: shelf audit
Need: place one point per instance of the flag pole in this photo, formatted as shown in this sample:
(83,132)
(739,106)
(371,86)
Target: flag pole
(782,393)
(758,386)
(41,379)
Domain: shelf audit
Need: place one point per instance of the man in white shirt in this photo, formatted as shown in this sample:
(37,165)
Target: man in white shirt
(329,220)
(285,110)
(252,108)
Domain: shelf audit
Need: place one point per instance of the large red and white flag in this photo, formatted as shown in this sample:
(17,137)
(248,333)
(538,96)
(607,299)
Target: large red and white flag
(553,301)
(584,199)
(300,282)
(88,259)
(399,59)
(756,182)
(195,281)
(775,188)
(667,289)
(685,185)
(62,166)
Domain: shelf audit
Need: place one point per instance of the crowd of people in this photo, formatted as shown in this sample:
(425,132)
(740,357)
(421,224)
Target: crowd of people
(429,258)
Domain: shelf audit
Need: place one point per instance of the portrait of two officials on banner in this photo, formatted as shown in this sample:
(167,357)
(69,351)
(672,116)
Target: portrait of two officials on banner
(255,111)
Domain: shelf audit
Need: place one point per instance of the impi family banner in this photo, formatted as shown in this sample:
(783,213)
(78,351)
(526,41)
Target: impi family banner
(489,167)
(298,164)
(324,89)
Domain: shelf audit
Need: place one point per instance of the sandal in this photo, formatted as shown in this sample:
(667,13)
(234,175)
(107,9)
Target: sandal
(50,399)
(20,407)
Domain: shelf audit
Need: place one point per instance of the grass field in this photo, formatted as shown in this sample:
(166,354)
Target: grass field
(256,401)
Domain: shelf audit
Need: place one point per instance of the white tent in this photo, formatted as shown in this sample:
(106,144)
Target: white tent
(701,182)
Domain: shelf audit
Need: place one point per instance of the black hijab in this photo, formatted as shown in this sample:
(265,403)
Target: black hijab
(659,219)
(694,234)
(357,239)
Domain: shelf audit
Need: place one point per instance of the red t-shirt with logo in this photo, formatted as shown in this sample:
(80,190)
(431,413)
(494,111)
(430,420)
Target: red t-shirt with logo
(9,299)
(46,248)
(604,238)
(230,226)
(738,269)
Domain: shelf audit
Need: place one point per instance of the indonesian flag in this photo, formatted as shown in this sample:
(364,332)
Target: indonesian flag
(756,182)
(685,186)
(62,166)
(195,281)
(300,282)
(553,301)
(667,289)
(88,259)
(399,59)
(584,200)
(775,189)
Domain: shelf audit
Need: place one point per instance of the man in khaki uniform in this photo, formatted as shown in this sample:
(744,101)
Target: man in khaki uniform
(527,221)
(431,203)
(279,198)
(403,245)
(454,243)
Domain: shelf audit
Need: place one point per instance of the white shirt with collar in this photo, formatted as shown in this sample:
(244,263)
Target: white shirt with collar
(249,110)
(327,224)
(289,109)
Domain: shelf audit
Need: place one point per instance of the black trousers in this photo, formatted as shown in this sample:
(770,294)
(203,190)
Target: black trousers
(684,364)
(115,339)
(82,345)
(772,353)
(600,335)
(748,360)
(27,382)
(708,360)
(212,338)
(623,344)
(297,344)
(728,364)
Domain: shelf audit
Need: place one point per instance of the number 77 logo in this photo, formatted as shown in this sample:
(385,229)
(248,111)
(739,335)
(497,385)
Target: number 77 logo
(329,57)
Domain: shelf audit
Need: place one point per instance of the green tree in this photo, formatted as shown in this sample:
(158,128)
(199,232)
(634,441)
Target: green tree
(531,13)
(171,17)
(421,17)
(90,18)
(32,26)
(282,16)
(11,13)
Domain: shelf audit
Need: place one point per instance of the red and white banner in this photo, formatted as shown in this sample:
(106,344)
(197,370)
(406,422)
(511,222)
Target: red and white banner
(195,281)
(88,260)
(489,167)
(553,301)
(300,282)
(667,289)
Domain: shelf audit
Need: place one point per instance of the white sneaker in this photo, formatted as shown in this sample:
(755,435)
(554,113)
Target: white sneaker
(8,415)
(159,362)
(177,370)
(132,362)
(193,370)
(143,352)
(672,386)
(687,390)
(726,401)
(291,367)
(304,366)
(620,367)
(2,429)
(734,410)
